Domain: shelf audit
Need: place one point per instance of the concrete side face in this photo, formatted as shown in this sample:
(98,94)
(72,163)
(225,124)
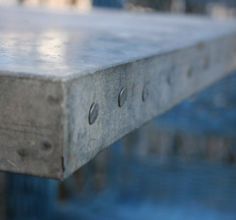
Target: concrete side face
(164,81)
(31,130)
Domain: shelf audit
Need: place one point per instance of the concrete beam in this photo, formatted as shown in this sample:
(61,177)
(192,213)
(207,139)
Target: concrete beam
(71,84)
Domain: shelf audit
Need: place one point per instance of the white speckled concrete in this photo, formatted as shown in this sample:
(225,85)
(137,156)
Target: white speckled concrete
(53,66)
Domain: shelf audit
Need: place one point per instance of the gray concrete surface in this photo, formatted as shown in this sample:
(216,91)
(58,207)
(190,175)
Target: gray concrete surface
(54,66)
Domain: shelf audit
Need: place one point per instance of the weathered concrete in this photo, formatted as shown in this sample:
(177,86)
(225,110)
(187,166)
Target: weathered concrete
(53,67)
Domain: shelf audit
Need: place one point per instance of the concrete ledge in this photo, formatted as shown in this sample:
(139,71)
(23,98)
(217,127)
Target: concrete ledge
(72,84)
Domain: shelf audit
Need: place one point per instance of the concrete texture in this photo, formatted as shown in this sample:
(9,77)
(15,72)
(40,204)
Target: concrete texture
(54,66)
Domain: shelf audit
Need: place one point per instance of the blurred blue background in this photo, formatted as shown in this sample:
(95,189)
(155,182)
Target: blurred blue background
(179,166)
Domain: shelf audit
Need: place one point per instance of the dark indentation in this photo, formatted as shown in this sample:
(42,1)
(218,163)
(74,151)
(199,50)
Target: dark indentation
(122,97)
(22,153)
(54,100)
(201,45)
(63,164)
(145,93)
(168,80)
(93,113)
(46,146)
(190,72)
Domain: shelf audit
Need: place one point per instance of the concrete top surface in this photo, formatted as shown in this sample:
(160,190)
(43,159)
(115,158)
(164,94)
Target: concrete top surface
(61,45)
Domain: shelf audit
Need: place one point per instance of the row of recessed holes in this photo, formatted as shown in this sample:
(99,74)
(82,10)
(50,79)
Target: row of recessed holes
(94,109)
(122,97)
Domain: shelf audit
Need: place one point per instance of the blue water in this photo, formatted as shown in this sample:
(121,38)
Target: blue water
(212,111)
(171,191)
